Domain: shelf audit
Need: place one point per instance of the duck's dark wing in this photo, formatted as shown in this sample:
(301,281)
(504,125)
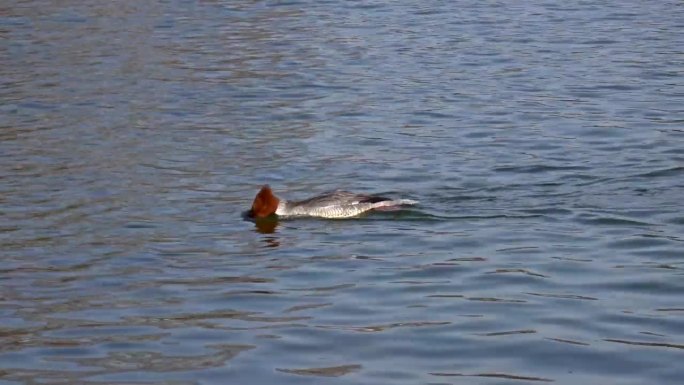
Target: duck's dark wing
(374,199)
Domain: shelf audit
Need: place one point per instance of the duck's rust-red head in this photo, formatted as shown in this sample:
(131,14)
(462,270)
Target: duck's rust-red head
(265,203)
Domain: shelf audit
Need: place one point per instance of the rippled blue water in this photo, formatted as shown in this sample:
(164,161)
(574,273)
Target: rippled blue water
(545,141)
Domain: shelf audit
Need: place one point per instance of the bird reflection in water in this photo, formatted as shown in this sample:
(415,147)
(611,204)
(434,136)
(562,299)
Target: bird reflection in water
(271,242)
(266,225)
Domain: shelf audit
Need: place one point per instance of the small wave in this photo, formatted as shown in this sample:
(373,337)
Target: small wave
(666,172)
(652,344)
(332,371)
(493,375)
(535,169)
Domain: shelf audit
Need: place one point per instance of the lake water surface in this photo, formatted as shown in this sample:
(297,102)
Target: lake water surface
(544,140)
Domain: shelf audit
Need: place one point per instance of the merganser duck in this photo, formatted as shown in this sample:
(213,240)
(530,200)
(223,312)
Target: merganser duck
(335,204)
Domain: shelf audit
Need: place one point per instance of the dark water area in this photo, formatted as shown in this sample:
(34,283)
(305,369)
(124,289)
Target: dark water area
(544,141)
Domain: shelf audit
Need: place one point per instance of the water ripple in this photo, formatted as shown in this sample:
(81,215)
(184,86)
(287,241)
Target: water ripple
(543,141)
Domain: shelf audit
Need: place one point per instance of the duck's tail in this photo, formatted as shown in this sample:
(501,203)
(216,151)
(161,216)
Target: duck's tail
(393,203)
